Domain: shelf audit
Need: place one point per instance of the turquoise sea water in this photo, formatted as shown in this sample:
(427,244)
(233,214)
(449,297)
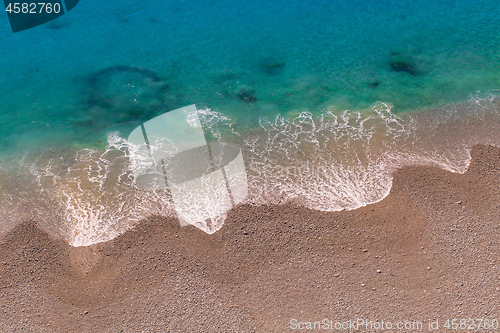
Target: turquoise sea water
(350,86)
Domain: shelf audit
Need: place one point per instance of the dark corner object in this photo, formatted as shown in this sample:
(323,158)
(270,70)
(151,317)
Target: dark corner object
(29,14)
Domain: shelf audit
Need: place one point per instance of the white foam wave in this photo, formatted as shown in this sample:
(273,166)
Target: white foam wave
(330,162)
(98,198)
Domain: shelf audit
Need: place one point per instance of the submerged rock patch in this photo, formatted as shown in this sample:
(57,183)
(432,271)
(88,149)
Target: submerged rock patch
(126,93)
(272,67)
(374,84)
(404,63)
(246,95)
(403,66)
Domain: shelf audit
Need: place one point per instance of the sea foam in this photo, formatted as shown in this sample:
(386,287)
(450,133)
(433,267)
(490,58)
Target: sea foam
(331,162)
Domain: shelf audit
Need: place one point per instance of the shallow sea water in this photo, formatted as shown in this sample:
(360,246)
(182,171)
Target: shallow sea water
(326,99)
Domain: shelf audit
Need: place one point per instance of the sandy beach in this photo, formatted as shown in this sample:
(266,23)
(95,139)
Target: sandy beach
(429,251)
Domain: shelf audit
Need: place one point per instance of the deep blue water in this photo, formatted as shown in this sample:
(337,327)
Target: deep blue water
(106,67)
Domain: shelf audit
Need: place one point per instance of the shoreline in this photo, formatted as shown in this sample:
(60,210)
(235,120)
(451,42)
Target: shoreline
(329,164)
(428,250)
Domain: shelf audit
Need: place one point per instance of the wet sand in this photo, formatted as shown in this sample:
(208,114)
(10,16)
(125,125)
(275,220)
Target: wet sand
(430,250)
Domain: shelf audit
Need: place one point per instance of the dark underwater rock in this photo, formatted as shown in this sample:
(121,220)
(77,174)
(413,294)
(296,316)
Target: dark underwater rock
(272,67)
(398,65)
(374,84)
(406,63)
(246,95)
(126,93)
